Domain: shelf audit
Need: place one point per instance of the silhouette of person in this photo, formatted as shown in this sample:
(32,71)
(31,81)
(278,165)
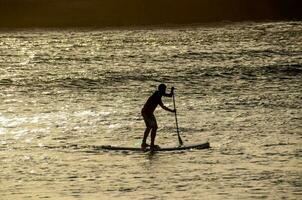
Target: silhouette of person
(149,118)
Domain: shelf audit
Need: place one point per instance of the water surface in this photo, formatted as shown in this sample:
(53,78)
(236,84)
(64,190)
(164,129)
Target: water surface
(237,85)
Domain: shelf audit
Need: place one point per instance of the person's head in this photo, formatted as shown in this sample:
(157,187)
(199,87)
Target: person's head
(162,88)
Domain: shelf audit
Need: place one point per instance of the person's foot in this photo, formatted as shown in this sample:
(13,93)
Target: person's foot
(154,147)
(144,146)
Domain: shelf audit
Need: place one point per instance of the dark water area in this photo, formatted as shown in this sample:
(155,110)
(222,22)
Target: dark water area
(125,13)
(238,86)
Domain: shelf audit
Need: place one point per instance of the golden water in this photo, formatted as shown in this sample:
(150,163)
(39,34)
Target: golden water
(237,85)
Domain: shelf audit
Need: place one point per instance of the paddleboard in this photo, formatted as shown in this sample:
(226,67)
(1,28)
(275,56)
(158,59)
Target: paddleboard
(205,145)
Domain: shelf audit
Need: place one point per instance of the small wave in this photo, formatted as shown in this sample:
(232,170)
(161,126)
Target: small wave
(282,71)
(290,69)
(278,144)
(6,82)
(203,55)
(78,83)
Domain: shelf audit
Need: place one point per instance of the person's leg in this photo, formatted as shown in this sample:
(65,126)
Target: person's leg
(153,135)
(146,133)
(151,124)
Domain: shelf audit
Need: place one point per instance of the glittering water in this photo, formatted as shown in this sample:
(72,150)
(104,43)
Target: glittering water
(238,86)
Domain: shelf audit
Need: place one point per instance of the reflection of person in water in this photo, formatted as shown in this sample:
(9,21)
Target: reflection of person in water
(149,118)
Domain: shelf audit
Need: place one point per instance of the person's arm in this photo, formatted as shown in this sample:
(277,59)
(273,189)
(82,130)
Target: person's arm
(166,108)
(171,93)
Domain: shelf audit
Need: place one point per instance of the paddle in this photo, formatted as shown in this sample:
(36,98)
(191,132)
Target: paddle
(179,138)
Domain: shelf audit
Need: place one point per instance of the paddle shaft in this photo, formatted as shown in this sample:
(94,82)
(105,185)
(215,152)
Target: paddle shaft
(177,129)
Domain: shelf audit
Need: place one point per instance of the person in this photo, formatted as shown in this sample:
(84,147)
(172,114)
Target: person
(148,114)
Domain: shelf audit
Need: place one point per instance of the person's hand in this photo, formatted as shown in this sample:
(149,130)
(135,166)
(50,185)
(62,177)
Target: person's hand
(174,110)
(172,90)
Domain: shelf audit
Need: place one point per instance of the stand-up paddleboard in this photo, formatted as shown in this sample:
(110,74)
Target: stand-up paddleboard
(205,145)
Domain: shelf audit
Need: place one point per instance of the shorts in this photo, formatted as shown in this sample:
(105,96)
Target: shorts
(150,121)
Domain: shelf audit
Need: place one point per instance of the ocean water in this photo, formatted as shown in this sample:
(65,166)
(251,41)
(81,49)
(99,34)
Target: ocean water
(238,86)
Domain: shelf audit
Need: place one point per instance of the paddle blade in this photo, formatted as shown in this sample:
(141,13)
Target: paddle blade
(180,140)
